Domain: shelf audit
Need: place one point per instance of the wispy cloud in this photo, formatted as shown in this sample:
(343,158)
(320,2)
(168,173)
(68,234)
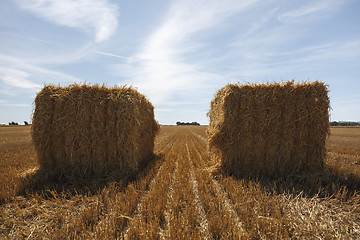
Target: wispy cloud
(309,58)
(39,51)
(98,16)
(259,24)
(311,9)
(166,65)
(17,78)
(62,56)
(23,37)
(115,55)
(17,72)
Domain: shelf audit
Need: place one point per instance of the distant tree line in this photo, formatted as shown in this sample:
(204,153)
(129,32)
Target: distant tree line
(344,123)
(187,123)
(15,123)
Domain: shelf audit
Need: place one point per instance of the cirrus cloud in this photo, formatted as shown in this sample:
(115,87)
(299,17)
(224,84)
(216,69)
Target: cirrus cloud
(98,16)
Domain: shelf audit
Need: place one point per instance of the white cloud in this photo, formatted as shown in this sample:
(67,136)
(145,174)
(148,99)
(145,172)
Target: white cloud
(340,51)
(27,38)
(260,23)
(115,55)
(17,72)
(16,78)
(164,66)
(313,8)
(98,16)
(62,56)
(309,58)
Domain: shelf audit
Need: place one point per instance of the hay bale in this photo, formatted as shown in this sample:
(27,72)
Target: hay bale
(92,130)
(269,129)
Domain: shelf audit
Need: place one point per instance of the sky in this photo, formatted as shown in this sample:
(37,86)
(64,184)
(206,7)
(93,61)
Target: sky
(178,53)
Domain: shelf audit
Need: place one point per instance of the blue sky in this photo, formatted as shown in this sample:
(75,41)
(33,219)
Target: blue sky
(178,53)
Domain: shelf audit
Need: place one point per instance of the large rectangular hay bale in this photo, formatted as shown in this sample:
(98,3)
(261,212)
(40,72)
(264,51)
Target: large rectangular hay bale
(270,129)
(87,130)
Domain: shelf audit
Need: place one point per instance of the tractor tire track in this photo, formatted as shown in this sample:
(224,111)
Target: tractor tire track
(221,194)
(165,233)
(140,206)
(202,217)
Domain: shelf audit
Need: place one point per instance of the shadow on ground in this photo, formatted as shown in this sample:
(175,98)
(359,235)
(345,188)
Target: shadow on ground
(325,183)
(45,181)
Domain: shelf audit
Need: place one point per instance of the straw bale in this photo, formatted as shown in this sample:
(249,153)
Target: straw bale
(87,130)
(270,129)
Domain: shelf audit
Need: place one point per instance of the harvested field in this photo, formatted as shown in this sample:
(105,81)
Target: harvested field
(178,196)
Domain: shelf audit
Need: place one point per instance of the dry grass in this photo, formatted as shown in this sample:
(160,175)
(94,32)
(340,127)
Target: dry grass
(160,202)
(17,158)
(343,156)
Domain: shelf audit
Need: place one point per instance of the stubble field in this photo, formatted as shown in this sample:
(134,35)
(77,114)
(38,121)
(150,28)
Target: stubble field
(179,196)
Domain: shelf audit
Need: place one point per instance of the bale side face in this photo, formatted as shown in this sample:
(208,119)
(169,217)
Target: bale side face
(92,130)
(270,129)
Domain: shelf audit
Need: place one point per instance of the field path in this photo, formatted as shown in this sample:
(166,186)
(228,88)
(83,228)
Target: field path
(202,218)
(220,191)
(164,233)
(179,201)
(172,205)
(166,148)
(214,193)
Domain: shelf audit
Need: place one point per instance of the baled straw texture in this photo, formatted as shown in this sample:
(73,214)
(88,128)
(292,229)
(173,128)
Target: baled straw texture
(270,129)
(92,130)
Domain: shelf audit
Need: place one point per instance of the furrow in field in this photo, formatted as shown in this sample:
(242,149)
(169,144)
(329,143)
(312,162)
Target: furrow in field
(202,217)
(182,222)
(228,205)
(142,202)
(166,136)
(199,136)
(216,191)
(220,191)
(161,144)
(115,206)
(165,232)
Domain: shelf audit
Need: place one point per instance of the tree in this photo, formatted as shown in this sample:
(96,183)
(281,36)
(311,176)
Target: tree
(187,123)
(26,123)
(344,123)
(334,123)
